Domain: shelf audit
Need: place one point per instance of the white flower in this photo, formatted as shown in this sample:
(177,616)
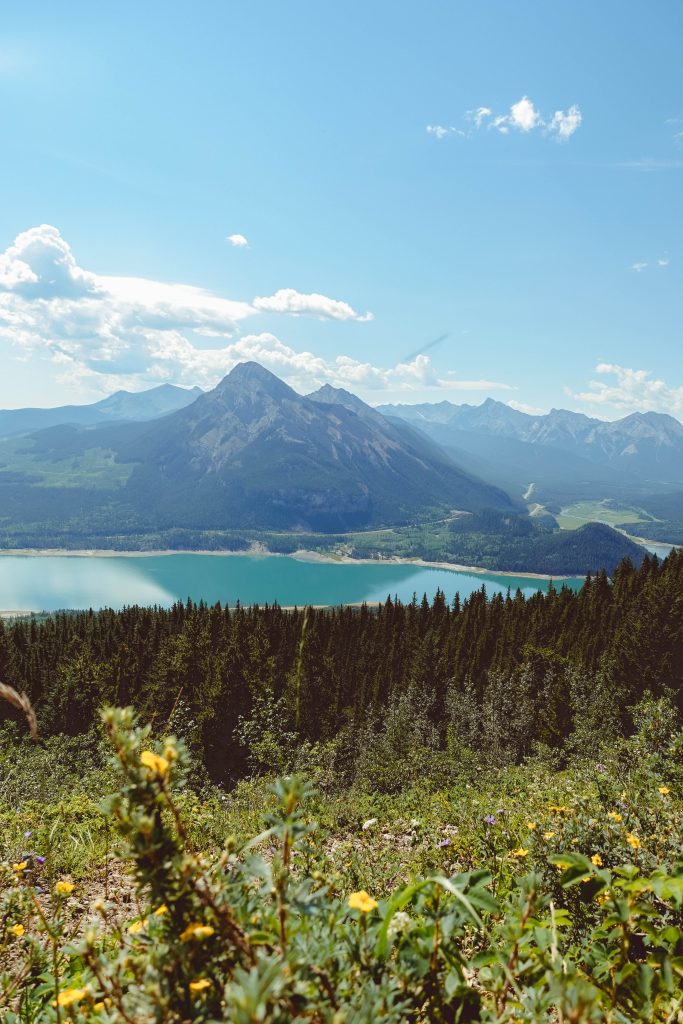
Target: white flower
(369,823)
(400,922)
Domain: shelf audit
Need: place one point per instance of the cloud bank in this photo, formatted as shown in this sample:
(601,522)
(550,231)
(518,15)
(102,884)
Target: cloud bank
(107,332)
(631,391)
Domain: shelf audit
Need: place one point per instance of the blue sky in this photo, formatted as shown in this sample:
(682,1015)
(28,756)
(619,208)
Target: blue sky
(540,236)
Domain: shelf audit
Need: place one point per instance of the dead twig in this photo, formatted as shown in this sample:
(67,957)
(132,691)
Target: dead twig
(23,704)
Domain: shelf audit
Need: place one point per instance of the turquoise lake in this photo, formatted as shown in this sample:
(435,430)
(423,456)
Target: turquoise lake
(50,582)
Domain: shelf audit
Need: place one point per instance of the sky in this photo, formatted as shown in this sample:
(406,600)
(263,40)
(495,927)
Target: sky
(415,201)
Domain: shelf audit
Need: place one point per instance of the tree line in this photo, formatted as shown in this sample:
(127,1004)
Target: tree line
(498,674)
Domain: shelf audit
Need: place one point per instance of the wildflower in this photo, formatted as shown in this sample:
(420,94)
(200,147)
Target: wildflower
(40,860)
(400,922)
(664,790)
(21,866)
(596,859)
(28,833)
(561,865)
(548,835)
(531,825)
(160,911)
(64,888)
(614,816)
(199,985)
(633,841)
(443,843)
(69,996)
(17,930)
(490,819)
(369,823)
(602,898)
(156,764)
(362,901)
(196,932)
(137,926)
(519,853)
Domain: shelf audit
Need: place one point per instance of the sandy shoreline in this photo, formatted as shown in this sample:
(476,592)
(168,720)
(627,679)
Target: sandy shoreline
(300,556)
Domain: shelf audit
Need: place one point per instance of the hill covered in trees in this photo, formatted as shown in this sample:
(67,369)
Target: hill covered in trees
(499,674)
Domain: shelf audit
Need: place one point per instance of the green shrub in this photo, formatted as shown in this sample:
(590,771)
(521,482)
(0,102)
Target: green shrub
(575,915)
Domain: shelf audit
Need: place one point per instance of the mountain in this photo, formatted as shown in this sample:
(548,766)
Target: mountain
(122,405)
(644,450)
(254,453)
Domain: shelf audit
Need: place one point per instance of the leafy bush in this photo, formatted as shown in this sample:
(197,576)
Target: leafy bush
(576,916)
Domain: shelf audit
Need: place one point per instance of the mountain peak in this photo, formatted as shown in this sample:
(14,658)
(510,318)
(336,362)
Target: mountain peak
(251,377)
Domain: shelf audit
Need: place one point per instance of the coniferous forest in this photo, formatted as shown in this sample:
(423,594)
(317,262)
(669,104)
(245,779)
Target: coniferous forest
(497,675)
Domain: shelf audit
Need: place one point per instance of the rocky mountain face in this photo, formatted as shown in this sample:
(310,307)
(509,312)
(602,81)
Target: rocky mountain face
(649,445)
(253,452)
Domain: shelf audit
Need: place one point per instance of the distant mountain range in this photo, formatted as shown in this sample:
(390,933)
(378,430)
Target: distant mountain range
(567,453)
(121,406)
(251,454)
(253,459)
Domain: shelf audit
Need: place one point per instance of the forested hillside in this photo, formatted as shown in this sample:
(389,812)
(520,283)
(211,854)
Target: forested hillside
(498,675)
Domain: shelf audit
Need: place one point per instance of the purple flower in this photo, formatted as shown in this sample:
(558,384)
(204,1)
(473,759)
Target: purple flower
(443,842)
(40,860)
(490,820)
(28,833)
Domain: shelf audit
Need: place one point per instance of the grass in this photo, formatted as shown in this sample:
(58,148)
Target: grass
(95,468)
(605,511)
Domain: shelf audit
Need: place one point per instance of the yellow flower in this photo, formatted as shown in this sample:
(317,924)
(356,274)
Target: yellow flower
(558,809)
(602,897)
(664,790)
(197,931)
(17,930)
(548,835)
(614,816)
(64,888)
(70,996)
(199,985)
(156,764)
(98,1006)
(597,860)
(362,901)
(633,841)
(561,865)
(137,926)
(519,853)
(531,825)
(160,911)
(21,866)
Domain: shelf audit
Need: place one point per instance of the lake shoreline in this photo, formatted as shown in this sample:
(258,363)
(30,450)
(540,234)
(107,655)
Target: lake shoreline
(302,555)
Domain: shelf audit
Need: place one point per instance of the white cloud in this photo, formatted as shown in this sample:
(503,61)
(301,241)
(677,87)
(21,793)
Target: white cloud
(530,410)
(239,241)
(479,115)
(564,125)
(640,265)
(288,300)
(104,332)
(440,131)
(525,117)
(631,391)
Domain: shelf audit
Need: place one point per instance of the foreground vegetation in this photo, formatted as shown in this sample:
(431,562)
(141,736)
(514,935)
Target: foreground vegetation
(529,895)
(478,817)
